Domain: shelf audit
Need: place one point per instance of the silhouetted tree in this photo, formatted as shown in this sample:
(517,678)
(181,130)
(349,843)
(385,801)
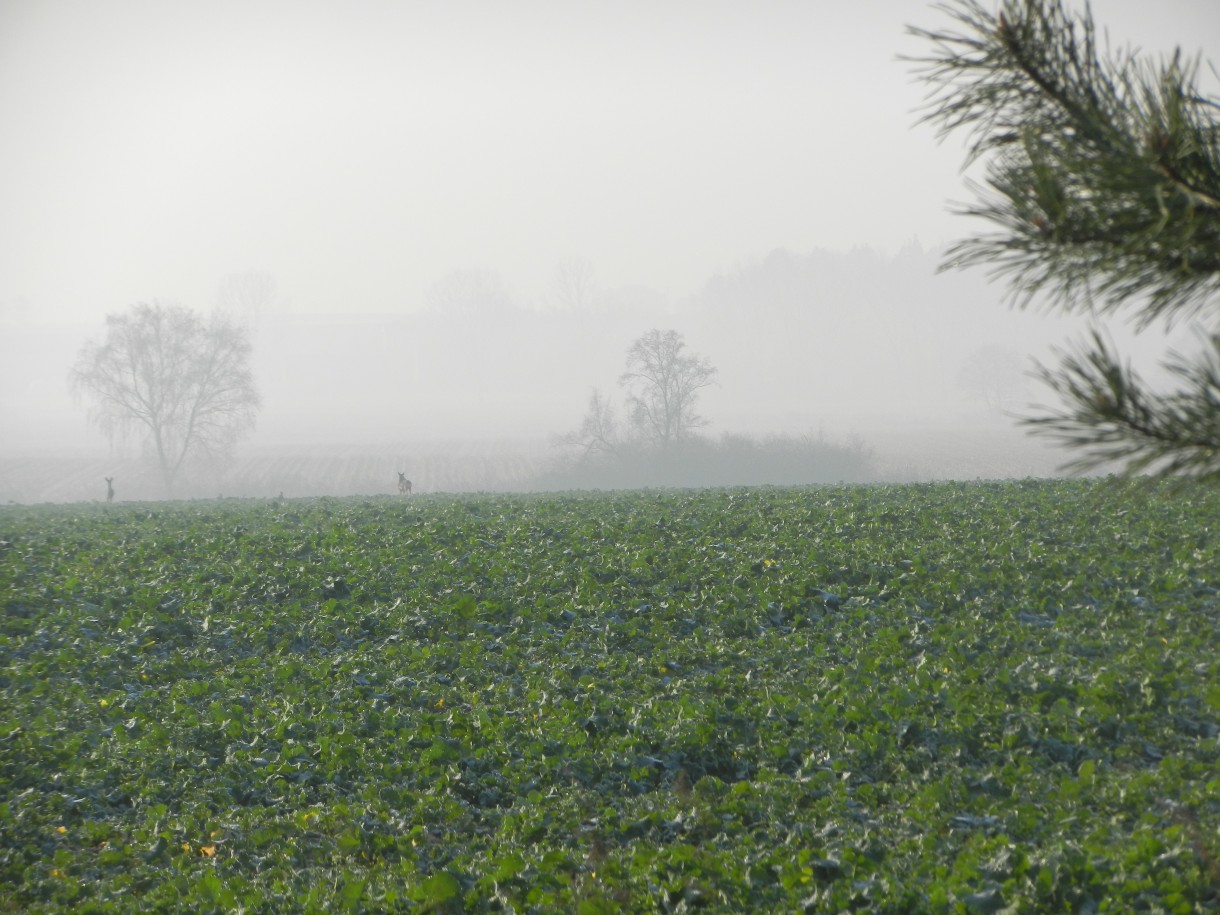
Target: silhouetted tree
(1103,177)
(994,375)
(573,286)
(663,383)
(247,294)
(470,291)
(182,381)
(598,433)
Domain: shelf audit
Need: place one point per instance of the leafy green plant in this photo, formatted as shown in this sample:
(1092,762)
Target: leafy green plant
(932,697)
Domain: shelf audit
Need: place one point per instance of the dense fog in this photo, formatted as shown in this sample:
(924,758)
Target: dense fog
(927,371)
(444,225)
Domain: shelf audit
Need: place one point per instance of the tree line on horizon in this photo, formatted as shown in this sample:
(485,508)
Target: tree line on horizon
(1102,187)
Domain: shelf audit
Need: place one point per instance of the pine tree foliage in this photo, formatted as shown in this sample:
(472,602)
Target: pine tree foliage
(1103,181)
(1112,416)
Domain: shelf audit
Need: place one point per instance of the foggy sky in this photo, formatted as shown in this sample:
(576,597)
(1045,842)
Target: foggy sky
(372,157)
(359,152)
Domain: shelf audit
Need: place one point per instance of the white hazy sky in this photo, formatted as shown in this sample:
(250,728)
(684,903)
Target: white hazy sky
(360,151)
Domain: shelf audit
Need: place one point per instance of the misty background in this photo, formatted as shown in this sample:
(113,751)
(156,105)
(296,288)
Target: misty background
(446,223)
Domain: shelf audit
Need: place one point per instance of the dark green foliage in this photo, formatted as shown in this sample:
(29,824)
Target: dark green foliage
(1103,173)
(1103,180)
(1111,415)
(922,698)
(731,460)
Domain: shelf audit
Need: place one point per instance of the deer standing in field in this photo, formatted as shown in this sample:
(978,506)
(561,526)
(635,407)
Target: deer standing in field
(404,485)
(109,489)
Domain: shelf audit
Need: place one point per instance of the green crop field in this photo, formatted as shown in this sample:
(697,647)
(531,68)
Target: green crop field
(928,698)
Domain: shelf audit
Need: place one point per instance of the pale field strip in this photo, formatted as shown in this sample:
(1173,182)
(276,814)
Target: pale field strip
(901,455)
(293,470)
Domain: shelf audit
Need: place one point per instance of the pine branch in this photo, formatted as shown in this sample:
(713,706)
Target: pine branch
(1112,416)
(1103,180)
(1105,174)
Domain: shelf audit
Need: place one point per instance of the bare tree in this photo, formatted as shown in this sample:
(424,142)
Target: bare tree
(573,286)
(184,383)
(470,291)
(247,294)
(598,432)
(663,383)
(993,374)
